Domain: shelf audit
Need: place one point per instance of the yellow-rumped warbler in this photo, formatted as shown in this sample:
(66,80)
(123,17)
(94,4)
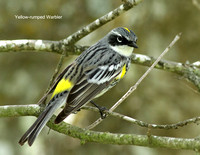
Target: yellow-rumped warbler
(94,72)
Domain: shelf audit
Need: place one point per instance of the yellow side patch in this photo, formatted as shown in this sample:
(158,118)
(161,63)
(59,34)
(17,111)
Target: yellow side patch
(127,29)
(63,85)
(121,75)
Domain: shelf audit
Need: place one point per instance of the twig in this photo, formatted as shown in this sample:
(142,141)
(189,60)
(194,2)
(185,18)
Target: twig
(59,65)
(147,125)
(177,37)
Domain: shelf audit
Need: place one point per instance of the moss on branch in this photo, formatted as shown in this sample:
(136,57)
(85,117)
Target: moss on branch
(103,137)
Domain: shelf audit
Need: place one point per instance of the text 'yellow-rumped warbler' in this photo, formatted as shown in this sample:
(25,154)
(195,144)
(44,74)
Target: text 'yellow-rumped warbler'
(93,73)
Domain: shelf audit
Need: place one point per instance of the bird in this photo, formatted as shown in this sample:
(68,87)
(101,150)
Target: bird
(90,75)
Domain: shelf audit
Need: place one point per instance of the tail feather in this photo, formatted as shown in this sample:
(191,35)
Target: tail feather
(41,121)
(31,132)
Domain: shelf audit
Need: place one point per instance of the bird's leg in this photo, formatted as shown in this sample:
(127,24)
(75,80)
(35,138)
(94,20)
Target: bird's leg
(101,109)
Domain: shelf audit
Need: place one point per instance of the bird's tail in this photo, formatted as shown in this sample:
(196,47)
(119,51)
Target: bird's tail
(43,118)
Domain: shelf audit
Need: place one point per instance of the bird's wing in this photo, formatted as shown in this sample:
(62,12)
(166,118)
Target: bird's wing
(90,84)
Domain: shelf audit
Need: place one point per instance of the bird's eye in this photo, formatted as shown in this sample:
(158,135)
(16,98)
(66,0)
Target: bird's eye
(119,39)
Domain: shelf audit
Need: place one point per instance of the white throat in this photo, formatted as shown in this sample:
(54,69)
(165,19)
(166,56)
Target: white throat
(123,50)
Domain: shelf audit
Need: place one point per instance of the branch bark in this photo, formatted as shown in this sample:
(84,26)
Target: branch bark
(27,45)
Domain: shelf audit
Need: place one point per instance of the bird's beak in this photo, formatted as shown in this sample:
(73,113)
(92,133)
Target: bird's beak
(133,44)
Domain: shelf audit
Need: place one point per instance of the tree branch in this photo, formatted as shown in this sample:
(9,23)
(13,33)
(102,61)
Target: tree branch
(128,4)
(66,45)
(191,72)
(27,45)
(103,137)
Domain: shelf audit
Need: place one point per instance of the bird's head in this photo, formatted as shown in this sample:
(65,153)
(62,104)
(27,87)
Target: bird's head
(122,40)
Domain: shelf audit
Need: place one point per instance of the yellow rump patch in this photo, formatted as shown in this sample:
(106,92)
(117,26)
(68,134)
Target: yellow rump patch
(127,29)
(121,75)
(63,85)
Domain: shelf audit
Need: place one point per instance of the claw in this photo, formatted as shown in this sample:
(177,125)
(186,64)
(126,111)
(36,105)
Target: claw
(101,109)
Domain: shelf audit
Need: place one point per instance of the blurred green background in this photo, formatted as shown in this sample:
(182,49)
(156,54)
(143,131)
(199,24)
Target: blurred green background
(162,98)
